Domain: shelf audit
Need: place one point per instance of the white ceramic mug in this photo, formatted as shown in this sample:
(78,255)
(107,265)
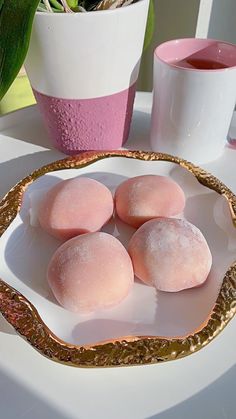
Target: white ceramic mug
(194,98)
(83,69)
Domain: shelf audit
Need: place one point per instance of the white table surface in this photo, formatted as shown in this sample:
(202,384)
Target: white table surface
(31,386)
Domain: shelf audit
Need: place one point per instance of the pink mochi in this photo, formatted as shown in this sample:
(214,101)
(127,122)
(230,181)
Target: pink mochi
(76,206)
(170,254)
(90,272)
(143,198)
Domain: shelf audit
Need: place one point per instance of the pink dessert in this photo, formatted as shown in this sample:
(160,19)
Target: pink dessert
(90,272)
(170,254)
(142,198)
(76,206)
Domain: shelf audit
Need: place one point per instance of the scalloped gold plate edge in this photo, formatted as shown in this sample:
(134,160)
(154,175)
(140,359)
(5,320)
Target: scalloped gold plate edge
(132,350)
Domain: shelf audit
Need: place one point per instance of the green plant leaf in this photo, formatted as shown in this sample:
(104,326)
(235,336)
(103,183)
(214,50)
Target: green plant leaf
(150,25)
(16,18)
(72,3)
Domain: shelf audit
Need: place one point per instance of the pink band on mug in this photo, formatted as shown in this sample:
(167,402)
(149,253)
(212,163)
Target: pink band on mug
(88,124)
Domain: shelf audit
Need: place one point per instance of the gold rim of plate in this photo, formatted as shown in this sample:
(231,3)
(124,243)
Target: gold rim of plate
(123,351)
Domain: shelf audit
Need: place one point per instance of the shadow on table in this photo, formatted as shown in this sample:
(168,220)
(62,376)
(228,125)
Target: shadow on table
(34,132)
(14,170)
(139,131)
(18,401)
(217,401)
(30,129)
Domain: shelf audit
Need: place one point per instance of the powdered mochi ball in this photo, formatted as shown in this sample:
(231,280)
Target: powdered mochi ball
(170,254)
(75,206)
(90,272)
(143,198)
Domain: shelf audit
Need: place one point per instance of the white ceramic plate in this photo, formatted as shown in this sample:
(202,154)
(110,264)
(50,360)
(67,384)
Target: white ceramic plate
(26,250)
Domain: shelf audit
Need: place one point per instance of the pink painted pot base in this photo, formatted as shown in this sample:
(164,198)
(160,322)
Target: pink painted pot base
(87,124)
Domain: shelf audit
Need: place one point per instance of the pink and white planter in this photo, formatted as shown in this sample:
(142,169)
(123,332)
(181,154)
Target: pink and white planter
(83,69)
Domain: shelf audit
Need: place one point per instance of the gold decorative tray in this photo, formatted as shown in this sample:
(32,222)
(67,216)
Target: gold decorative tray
(23,314)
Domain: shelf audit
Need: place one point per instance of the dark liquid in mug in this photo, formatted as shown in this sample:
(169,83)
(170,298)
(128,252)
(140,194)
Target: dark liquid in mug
(202,64)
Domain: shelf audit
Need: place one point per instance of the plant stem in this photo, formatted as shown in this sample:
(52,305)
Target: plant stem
(47,5)
(41,8)
(81,9)
(66,7)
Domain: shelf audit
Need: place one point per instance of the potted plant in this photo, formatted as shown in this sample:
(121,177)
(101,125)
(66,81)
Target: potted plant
(82,61)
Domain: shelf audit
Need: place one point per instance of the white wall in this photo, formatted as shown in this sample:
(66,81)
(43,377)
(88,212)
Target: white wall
(174,19)
(223,20)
